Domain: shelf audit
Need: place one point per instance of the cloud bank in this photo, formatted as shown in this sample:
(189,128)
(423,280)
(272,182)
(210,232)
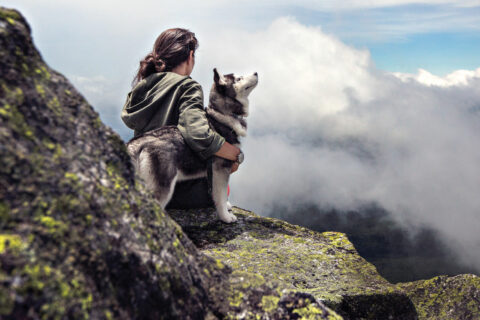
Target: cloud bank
(328,128)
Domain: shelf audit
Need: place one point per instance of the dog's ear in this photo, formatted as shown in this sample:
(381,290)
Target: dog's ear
(218,78)
(220,83)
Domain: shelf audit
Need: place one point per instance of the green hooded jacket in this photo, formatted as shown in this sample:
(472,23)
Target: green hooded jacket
(167,98)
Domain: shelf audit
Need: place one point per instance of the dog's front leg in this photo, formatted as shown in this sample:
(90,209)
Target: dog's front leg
(221,173)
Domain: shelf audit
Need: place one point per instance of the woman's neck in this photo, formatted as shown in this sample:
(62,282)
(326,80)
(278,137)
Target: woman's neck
(181,69)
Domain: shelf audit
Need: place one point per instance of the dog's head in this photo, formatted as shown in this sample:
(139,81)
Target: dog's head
(230,92)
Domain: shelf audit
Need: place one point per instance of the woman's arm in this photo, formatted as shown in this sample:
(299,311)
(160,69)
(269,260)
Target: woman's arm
(193,122)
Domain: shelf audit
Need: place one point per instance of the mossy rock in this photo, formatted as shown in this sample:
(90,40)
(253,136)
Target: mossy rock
(445,297)
(325,265)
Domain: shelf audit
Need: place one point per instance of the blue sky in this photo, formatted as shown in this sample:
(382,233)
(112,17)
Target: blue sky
(440,53)
(403,38)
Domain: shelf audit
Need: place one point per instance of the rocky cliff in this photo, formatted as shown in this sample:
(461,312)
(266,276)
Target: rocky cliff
(81,238)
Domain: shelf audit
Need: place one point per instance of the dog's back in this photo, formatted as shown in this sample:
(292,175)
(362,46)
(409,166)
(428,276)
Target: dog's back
(161,157)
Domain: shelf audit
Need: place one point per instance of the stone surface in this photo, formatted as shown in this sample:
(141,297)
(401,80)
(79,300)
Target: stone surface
(445,298)
(326,265)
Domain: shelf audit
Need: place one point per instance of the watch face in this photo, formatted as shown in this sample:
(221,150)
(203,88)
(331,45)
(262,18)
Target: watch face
(240,157)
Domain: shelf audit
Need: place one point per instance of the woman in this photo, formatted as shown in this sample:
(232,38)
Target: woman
(163,94)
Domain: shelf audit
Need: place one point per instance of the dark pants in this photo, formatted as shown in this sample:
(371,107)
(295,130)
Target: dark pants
(191,194)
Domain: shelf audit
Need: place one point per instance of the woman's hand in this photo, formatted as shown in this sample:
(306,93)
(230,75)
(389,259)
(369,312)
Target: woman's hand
(228,151)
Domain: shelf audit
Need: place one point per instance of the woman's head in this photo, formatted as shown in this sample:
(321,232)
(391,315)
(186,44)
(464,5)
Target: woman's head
(171,48)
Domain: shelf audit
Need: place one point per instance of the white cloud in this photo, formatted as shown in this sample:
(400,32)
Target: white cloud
(328,128)
(456,78)
(106,93)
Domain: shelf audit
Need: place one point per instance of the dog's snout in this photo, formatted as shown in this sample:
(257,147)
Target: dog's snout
(255,74)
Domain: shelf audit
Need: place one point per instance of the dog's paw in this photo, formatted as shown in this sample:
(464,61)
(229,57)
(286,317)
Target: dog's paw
(227,217)
(229,206)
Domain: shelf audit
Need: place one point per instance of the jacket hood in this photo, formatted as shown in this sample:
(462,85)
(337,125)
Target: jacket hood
(145,98)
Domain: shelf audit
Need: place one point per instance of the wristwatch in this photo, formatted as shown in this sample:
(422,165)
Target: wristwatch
(240,158)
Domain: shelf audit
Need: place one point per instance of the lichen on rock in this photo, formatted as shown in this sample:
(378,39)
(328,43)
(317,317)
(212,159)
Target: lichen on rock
(445,297)
(325,265)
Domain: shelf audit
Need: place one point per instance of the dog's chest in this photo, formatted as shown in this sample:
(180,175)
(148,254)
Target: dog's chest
(225,131)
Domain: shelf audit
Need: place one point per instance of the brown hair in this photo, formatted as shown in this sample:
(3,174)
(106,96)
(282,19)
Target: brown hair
(171,48)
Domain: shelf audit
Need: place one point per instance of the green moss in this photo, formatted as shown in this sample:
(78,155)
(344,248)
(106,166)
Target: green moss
(97,123)
(48,144)
(41,278)
(16,121)
(6,299)
(176,243)
(108,315)
(4,213)
(57,154)
(43,72)
(219,264)
(40,89)
(236,299)
(9,14)
(54,105)
(25,68)
(54,226)
(114,173)
(445,297)
(10,241)
(270,303)
(11,21)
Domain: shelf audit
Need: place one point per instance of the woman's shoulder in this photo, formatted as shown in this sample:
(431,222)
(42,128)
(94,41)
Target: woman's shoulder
(184,80)
(191,84)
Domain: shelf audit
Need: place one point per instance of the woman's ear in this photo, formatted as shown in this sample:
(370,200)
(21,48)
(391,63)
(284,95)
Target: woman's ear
(191,56)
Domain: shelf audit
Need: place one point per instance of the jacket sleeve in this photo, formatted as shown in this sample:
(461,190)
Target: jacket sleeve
(193,123)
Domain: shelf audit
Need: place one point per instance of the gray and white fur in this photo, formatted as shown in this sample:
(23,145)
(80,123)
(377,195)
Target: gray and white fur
(162,158)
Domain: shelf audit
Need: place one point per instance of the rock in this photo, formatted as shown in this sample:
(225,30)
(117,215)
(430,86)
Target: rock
(325,265)
(446,297)
(80,237)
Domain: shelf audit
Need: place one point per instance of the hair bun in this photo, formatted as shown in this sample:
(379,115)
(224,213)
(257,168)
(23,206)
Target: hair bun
(160,65)
(149,58)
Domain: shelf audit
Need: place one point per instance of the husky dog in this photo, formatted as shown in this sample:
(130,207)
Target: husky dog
(162,158)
